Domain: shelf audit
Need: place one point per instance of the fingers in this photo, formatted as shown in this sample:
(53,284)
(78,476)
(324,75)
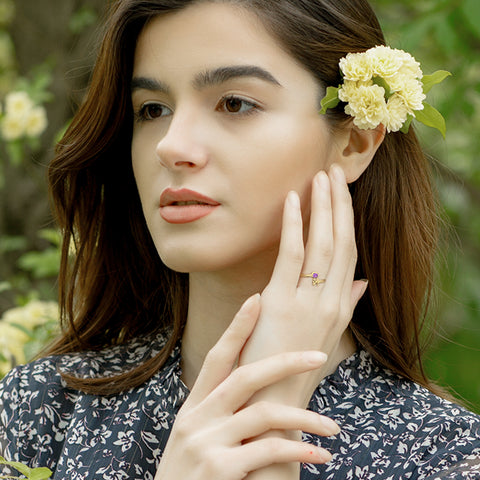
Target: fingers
(274,450)
(330,250)
(319,246)
(291,252)
(221,359)
(242,383)
(344,254)
(262,417)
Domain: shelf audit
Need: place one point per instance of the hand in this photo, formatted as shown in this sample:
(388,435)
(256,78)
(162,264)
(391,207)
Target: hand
(295,315)
(207,439)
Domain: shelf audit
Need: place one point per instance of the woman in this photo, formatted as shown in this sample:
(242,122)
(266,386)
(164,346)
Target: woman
(186,184)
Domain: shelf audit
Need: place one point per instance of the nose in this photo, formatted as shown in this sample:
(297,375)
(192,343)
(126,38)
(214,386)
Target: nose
(183,146)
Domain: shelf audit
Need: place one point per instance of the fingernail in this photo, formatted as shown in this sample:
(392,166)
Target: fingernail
(250,303)
(322,179)
(294,199)
(338,174)
(331,428)
(364,280)
(317,358)
(325,455)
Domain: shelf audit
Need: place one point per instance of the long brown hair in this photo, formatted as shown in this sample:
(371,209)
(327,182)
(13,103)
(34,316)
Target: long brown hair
(116,288)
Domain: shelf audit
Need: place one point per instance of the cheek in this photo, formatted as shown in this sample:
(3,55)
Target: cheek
(142,166)
(289,154)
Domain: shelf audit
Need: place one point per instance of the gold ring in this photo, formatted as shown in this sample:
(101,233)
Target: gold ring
(314,276)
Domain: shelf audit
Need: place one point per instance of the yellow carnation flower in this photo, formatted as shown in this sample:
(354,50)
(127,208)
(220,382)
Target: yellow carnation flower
(367,107)
(356,66)
(385,61)
(412,94)
(397,114)
(409,65)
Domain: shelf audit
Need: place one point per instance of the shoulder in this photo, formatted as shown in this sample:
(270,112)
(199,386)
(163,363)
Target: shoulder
(35,400)
(389,421)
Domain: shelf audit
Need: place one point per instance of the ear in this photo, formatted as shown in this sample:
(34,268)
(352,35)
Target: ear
(355,149)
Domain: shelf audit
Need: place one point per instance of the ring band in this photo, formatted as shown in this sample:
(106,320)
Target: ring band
(315,279)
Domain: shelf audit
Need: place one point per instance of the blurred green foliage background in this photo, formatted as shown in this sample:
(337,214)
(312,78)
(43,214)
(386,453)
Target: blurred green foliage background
(47,50)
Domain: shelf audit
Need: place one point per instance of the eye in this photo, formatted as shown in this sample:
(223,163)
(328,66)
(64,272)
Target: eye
(151,111)
(237,105)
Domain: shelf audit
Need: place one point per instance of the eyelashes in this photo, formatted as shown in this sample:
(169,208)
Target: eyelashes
(230,104)
(151,111)
(237,105)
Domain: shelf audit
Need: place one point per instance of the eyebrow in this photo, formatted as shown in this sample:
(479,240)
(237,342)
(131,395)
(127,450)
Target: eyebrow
(209,78)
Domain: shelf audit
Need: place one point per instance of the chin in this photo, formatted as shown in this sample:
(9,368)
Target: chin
(184,262)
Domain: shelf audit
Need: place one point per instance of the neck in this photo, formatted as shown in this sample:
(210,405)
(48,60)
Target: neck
(214,299)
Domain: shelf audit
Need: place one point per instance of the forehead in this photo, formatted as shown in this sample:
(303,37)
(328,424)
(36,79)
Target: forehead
(206,35)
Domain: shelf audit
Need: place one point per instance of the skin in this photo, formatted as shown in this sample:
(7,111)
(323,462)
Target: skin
(250,142)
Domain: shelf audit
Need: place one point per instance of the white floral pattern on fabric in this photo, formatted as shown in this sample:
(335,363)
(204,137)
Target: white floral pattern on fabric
(391,428)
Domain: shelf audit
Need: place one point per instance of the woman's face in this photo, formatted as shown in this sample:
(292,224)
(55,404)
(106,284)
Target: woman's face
(226,125)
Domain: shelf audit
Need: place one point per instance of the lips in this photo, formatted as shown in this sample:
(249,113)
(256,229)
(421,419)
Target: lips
(185,206)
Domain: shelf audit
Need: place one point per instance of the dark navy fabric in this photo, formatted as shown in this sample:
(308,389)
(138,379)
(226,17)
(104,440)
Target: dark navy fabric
(391,428)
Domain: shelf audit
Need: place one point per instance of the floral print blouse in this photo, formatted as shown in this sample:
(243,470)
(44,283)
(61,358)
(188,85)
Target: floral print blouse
(391,427)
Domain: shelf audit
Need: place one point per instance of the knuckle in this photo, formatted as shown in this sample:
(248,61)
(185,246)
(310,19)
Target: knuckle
(242,375)
(347,241)
(330,310)
(297,255)
(274,444)
(214,355)
(213,463)
(183,427)
(326,249)
(263,410)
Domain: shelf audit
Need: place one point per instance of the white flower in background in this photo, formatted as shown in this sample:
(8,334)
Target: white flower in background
(18,326)
(12,340)
(36,122)
(18,104)
(22,117)
(33,314)
(12,128)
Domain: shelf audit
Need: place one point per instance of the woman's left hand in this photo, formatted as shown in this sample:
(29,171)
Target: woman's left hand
(296,314)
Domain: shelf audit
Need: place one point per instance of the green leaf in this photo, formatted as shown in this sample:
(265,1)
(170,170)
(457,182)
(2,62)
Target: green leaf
(51,235)
(381,82)
(431,117)
(41,473)
(23,469)
(330,100)
(406,125)
(430,80)
(42,264)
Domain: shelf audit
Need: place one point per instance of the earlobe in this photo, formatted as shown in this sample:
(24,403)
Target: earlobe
(358,148)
